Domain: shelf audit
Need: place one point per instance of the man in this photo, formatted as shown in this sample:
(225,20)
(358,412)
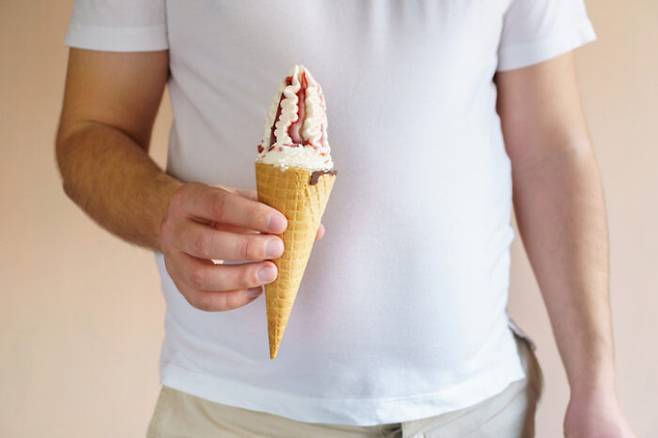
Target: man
(400,327)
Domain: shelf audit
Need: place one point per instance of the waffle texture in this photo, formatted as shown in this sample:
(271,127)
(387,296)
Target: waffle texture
(303,204)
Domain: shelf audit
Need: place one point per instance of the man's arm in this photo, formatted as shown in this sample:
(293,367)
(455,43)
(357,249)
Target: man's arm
(561,215)
(110,103)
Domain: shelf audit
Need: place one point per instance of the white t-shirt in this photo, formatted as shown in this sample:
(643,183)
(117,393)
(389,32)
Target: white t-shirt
(402,310)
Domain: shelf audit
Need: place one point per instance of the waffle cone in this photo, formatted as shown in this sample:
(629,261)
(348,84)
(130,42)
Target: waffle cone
(303,204)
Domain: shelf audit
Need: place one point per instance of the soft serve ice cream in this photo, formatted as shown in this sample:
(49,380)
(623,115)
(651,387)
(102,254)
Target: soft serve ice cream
(295,175)
(296,125)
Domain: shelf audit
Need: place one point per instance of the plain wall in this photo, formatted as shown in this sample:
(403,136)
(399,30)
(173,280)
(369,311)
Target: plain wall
(81,314)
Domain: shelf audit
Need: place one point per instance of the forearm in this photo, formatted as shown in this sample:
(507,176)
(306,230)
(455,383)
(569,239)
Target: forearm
(109,176)
(561,216)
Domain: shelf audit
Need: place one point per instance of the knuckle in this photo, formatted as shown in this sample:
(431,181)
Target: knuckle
(200,244)
(256,247)
(218,206)
(235,277)
(258,215)
(245,247)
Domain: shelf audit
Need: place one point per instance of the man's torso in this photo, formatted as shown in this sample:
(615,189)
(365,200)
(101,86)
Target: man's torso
(402,306)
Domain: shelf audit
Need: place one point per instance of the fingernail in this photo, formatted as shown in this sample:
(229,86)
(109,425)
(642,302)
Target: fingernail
(254,292)
(277,223)
(267,273)
(274,248)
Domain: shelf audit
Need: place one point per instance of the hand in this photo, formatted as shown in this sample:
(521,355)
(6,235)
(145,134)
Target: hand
(203,223)
(596,416)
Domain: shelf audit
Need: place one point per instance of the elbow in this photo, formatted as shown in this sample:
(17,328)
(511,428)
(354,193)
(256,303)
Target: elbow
(556,157)
(578,159)
(578,150)
(62,160)
(67,188)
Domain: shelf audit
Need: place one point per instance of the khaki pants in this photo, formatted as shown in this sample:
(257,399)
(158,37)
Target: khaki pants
(510,414)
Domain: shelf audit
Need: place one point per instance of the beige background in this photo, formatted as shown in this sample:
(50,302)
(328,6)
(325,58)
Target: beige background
(81,312)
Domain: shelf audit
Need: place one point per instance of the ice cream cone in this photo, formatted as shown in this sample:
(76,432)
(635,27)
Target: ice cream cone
(302,199)
(294,174)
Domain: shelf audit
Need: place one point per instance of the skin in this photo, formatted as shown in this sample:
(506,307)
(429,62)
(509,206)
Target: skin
(111,100)
(102,151)
(561,215)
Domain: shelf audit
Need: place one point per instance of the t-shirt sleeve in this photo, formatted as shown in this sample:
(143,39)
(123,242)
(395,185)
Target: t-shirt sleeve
(537,30)
(118,25)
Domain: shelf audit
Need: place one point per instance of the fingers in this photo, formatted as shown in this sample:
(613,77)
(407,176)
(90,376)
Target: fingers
(216,288)
(222,301)
(228,227)
(204,223)
(202,275)
(221,287)
(207,243)
(211,300)
(222,206)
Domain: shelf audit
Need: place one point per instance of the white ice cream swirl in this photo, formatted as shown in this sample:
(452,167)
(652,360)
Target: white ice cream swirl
(289,141)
